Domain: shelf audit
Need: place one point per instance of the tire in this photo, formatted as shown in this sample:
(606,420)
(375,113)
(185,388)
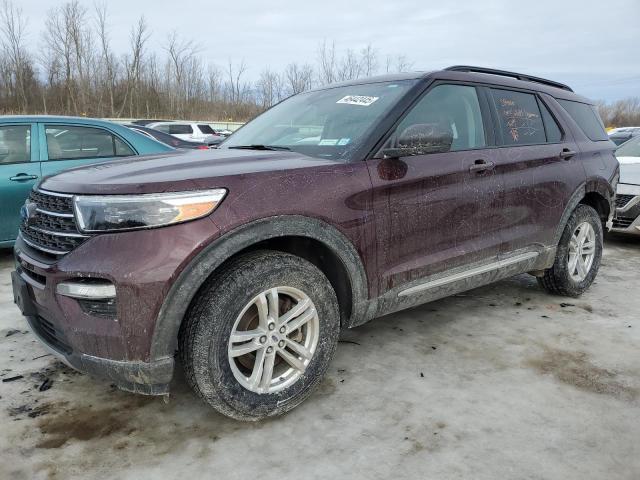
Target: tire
(558,279)
(205,344)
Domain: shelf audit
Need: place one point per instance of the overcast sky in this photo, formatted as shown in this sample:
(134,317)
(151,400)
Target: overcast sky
(591,45)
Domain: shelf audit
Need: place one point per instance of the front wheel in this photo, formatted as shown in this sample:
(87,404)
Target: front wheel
(261,335)
(578,256)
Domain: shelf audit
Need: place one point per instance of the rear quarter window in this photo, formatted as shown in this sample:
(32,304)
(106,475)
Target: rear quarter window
(587,118)
(206,129)
(554,134)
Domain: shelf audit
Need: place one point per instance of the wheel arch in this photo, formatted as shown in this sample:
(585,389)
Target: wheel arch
(596,194)
(310,238)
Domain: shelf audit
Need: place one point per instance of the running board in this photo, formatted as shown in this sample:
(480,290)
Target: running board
(490,267)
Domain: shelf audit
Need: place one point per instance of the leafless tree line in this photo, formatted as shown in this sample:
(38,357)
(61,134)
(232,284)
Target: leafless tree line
(74,70)
(622,113)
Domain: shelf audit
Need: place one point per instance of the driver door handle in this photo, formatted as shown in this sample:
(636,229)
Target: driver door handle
(23,177)
(481,165)
(567,153)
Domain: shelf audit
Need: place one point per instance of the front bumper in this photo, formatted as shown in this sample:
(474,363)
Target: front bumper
(149,378)
(142,266)
(627,215)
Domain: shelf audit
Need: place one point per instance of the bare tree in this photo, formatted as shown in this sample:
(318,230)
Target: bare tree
(397,64)
(269,88)
(12,42)
(350,67)
(235,86)
(58,43)
(133,63)
(109,61)
(298,78)
(214,83)
(327,64)
(369,60)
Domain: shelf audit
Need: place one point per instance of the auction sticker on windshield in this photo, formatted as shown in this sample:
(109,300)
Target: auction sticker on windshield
(361,100)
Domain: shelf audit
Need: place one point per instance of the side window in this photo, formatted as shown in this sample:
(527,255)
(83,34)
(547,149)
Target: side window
(519,118)
(122,149)
(447,118)
(587,118)
(73,142)
(15,144)
(180,129)
(554,134)
(206,129)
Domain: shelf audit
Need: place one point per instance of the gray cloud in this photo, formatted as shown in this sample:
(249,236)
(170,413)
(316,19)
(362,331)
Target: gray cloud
(590,45)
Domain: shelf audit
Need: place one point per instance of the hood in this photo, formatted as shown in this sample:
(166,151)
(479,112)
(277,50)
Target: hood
(630,172)
(174,172)
(628,160)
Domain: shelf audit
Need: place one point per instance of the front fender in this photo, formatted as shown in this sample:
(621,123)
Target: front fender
(189,281)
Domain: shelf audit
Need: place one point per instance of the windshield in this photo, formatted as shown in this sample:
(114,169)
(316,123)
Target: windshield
(630,148)
(331,123)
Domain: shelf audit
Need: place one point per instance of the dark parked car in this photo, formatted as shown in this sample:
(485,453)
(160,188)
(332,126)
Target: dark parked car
(167,139)
(146,121)
(622,135)
(336,206)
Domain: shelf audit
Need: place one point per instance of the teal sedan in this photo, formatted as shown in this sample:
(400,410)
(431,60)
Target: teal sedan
(32,147)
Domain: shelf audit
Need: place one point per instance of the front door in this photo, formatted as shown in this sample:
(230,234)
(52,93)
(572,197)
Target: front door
(70,146)
(19,171)
(440,207)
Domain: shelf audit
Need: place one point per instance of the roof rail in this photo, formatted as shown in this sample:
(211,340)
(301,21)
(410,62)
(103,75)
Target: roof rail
(505,73)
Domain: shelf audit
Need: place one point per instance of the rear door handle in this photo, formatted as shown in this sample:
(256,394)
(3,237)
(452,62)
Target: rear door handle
(481,166)
(23,177)
(567,153)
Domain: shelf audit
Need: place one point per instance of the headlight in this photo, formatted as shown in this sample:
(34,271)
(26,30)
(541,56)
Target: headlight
(100,213)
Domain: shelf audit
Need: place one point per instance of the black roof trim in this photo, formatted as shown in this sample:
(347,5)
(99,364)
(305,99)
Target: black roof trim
(505,73)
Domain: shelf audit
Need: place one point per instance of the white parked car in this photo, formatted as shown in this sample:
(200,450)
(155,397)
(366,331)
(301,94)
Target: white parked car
(623,134)
(627,217)
(193,132)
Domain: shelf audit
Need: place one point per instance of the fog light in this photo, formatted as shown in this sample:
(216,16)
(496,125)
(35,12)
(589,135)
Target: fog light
(102,307)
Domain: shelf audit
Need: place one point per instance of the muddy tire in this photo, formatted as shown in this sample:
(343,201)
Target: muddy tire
(578,256)
(260,335)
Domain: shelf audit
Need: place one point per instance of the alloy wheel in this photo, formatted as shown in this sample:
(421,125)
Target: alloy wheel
(273,339)
(582,251)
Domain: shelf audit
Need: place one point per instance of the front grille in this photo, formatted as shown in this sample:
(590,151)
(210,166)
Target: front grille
(58,203)
(51,335)
(51,228)
(622,222)
(622,200)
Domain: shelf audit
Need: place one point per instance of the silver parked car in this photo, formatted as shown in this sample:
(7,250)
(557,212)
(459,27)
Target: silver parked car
(627,216)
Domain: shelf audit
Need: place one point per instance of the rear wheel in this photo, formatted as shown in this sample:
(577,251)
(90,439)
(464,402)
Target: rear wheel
(261,335)
(578,256)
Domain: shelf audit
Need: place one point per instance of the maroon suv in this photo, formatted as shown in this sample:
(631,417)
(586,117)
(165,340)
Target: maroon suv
(335,206)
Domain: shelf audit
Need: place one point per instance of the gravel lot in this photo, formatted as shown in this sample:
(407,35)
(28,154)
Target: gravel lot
(501,382)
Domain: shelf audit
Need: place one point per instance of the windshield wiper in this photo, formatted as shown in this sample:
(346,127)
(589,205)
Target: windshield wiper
(260,147)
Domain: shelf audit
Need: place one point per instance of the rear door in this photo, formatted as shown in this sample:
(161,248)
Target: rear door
(68,146)
(441,210)
(19,171)
(538,164)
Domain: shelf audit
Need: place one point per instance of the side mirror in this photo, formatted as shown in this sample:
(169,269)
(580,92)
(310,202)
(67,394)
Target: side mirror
(421,139)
